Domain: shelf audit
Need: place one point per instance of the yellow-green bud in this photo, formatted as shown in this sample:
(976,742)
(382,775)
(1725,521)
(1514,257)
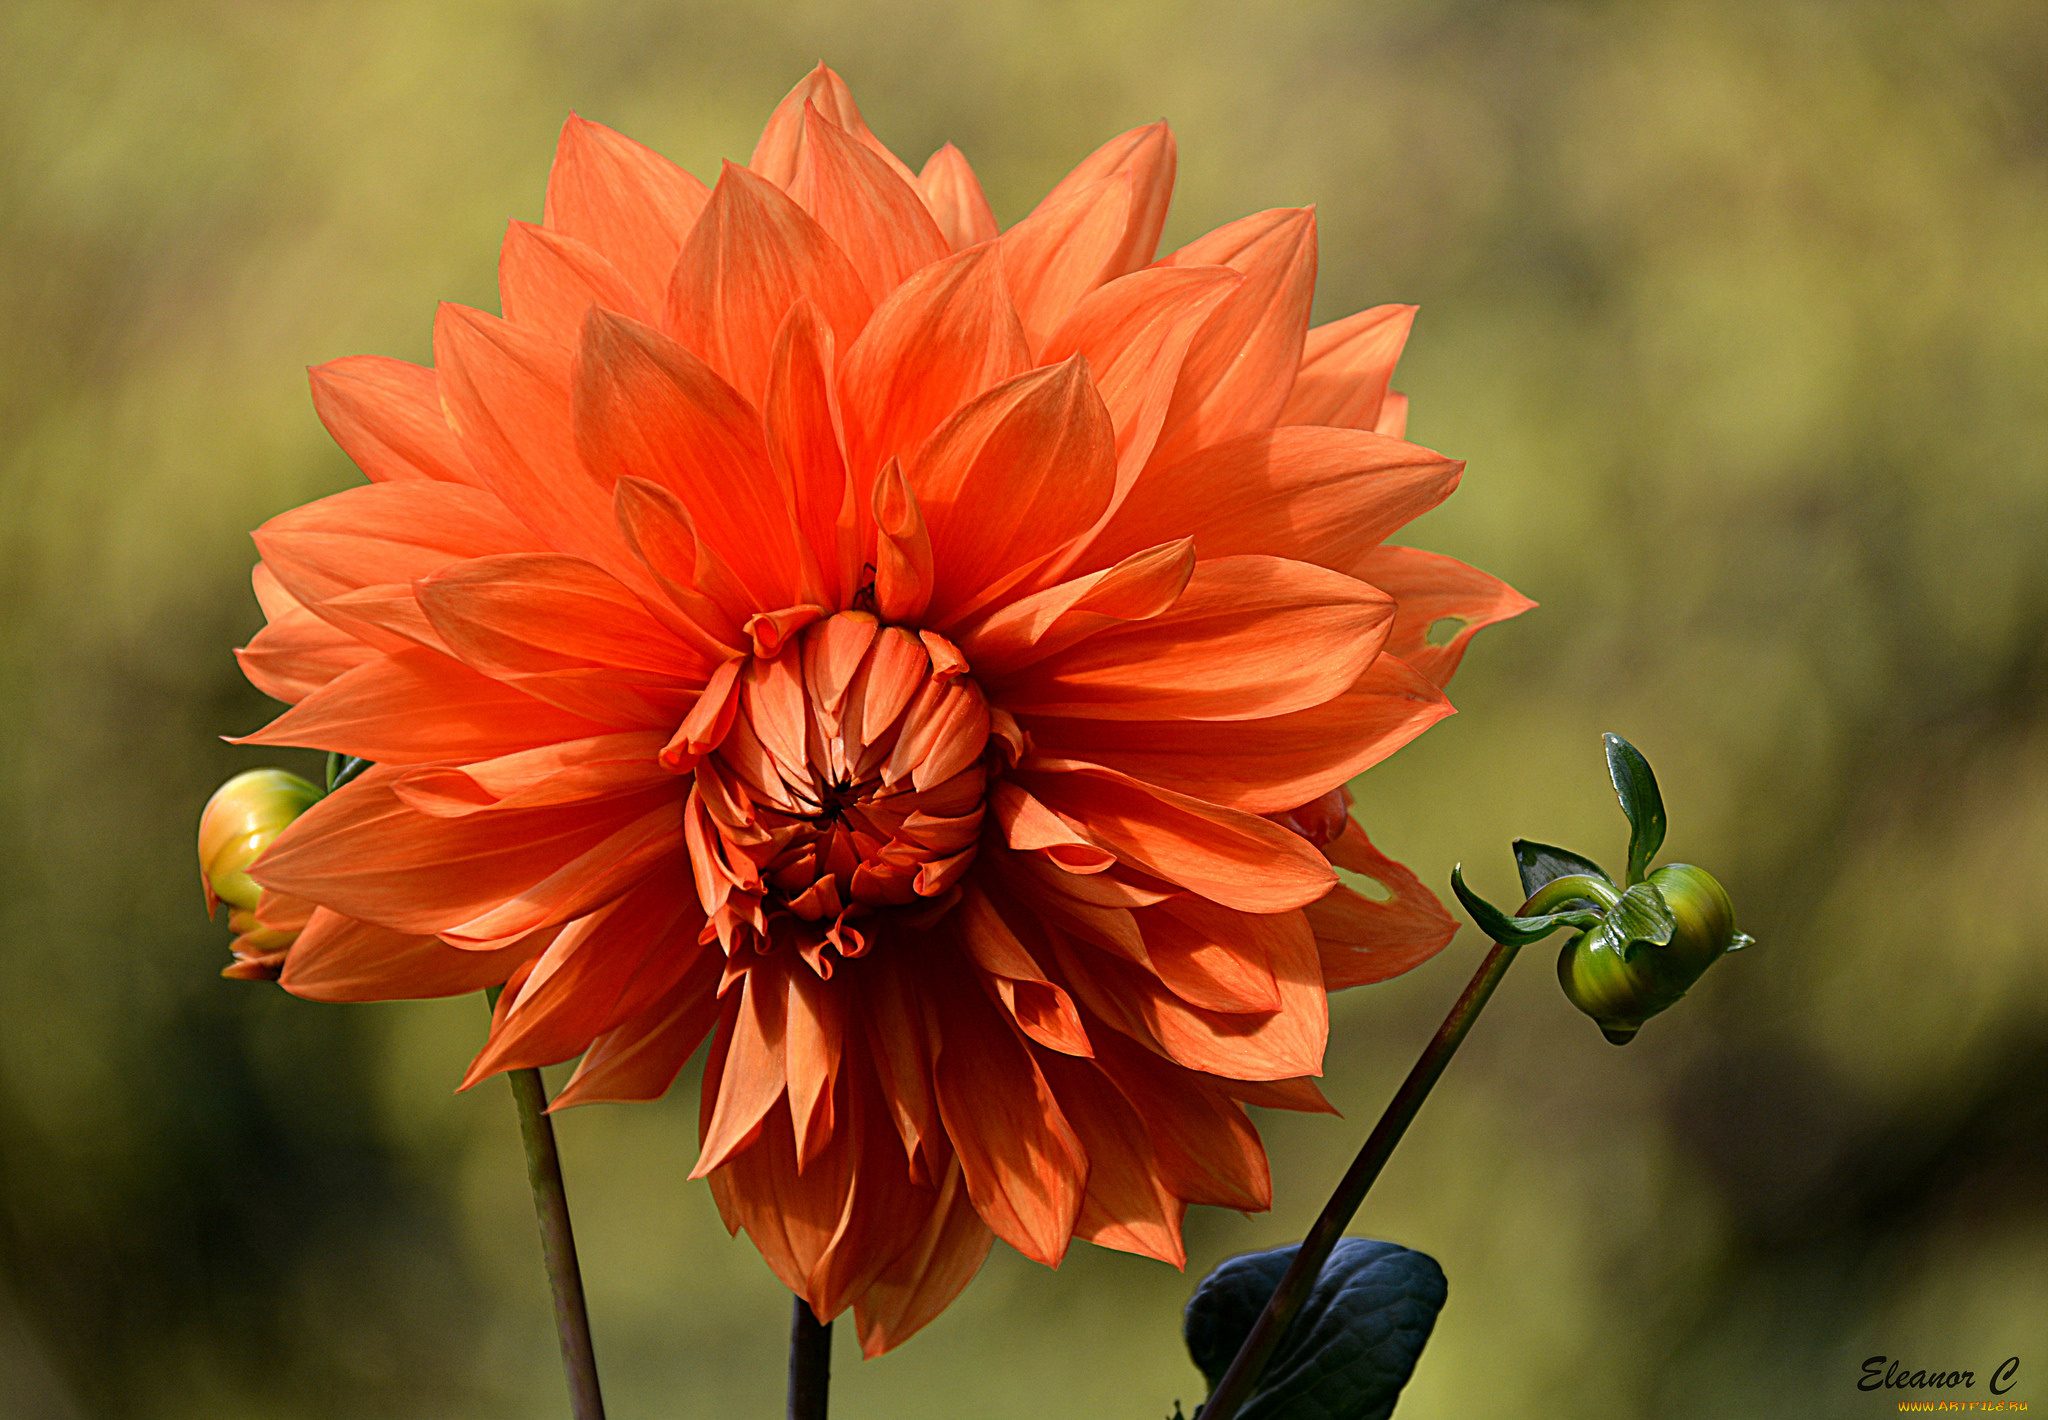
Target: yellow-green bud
(244,817)
(1622,984)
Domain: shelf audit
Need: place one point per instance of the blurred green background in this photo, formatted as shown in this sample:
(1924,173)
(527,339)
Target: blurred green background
(1739,311)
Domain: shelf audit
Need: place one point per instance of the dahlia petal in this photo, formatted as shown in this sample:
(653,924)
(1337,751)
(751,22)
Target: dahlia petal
(1127,1206)
(383,534)
(1028,629)
(1010,477)
(638,1059)
(1362,940)
(508,394)
(1221,960)
(800,411)
(1116,886)
(1147,157)
(1040,1006)
(1429,588)
(533,612)
(548,280)
(373,711)
(1229,857)
(565,773)
(599,971)
(708,722)
(752,255)
(1207,1150)
(872,209)
(386,415)
(626,201)
(540,1038)
(907,1294)
(813,1038)
(1030,826)
(899,1036)
(1113,928)
(769,631)
(1255,1045)
(271,596)
(752,1068)
(760,1190)
(953,195)
(1345,367)
(1024,1167)
(943,734)
(775,709)
(339,958)
(1393,420)
(587,881)
(297,653)
(1064,250)
(1299,1094)
(646,407)
(698,600)
(884,686)
(387,617)
(1240,367)
(1251,637)
(1261,766)
(831,1229)
(935,342)
(825,1231)
(834,656)
(885,1212)
(1316,495)
(615,699)
(365,853)
(1135,333)
(781,146)
(904,561)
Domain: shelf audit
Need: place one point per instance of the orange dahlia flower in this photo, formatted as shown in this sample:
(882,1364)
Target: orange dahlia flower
(921,658)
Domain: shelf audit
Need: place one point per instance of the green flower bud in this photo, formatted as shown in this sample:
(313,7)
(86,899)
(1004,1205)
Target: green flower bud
(1622,977)
(242,819)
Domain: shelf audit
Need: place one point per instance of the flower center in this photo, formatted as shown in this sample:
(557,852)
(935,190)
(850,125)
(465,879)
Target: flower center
(847,787)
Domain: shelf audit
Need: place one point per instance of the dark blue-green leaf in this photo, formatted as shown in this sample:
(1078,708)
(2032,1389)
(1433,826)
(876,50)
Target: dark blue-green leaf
(1516,931)
(1352,1346)
(1540,863)
(1636,787)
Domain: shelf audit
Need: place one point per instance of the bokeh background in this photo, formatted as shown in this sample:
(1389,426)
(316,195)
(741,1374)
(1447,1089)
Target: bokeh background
(1739,310)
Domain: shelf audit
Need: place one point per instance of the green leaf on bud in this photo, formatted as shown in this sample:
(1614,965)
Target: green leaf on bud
(1541,865)
(341,768)
(1513,931)
(1636,786)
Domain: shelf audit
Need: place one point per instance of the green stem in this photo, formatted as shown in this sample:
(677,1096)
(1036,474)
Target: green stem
(1266,1334)
(557,1242)
(810,1363)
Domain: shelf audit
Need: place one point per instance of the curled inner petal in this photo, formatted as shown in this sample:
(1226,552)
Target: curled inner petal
(848,785)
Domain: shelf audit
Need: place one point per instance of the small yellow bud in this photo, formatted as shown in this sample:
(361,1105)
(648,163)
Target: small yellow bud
(244,817)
